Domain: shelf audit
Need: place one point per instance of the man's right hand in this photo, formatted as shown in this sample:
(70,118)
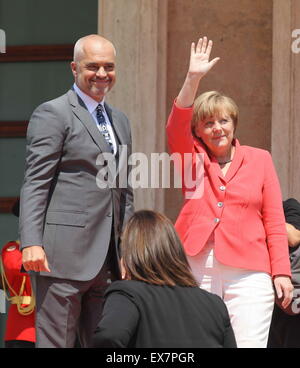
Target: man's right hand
(34,259)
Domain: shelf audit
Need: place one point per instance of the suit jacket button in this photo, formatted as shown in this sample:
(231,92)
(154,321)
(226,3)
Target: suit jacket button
(216,220)
(109,214)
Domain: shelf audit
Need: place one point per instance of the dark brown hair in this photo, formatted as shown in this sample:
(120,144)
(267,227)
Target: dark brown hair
(152,251)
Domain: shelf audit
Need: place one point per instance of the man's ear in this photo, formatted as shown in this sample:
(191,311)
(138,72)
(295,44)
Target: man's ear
(74,68)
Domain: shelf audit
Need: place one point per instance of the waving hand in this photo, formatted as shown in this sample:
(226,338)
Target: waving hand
(199,66)
(199,59)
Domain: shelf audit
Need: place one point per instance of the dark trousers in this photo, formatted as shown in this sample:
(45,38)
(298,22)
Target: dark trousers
(284,330)
(66,309)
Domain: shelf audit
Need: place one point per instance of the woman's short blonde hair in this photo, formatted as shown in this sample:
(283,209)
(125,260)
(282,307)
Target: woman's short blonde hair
(213,103)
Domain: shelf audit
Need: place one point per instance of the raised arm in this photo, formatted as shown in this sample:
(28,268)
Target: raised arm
(180,117)
(198,67)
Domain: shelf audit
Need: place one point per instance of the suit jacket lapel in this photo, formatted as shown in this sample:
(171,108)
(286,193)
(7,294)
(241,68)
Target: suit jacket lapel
(210,165)
(87,120)
(118,128)
(213,166)
(236,162)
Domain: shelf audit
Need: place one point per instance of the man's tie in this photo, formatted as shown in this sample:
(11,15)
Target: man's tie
(103,127)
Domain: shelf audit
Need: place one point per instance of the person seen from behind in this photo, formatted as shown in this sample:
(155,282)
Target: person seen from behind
(159,303)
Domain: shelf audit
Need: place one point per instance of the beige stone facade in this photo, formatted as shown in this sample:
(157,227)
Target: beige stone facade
(285,126)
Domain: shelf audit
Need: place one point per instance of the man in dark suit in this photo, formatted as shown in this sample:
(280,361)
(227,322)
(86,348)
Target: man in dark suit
(70,222)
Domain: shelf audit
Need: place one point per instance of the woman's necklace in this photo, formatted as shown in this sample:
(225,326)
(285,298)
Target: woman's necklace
(221,163)
(224,163)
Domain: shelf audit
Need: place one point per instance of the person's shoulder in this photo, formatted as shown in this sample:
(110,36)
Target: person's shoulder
(292,202)
(126,286)
(57,110)
(55,102)
(214,300)
(11,255)
(255,150)
(258,156)
(11,246)
(200,292)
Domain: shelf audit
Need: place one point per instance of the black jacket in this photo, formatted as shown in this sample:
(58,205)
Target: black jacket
(140,315)
(292,216)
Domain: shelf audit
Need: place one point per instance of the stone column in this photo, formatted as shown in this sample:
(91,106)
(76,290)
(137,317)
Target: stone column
(138,29)
(286,97)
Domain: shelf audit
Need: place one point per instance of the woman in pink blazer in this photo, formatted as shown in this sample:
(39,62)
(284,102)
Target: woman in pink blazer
(233,228)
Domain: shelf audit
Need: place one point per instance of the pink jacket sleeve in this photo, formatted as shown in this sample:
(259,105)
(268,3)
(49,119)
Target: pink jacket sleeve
(180,120)
(274,221)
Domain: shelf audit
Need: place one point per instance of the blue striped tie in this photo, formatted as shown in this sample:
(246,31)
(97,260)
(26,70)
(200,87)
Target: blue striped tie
(103,127)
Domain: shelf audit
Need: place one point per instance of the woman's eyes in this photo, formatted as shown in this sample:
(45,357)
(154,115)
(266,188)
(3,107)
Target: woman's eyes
(209,124)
